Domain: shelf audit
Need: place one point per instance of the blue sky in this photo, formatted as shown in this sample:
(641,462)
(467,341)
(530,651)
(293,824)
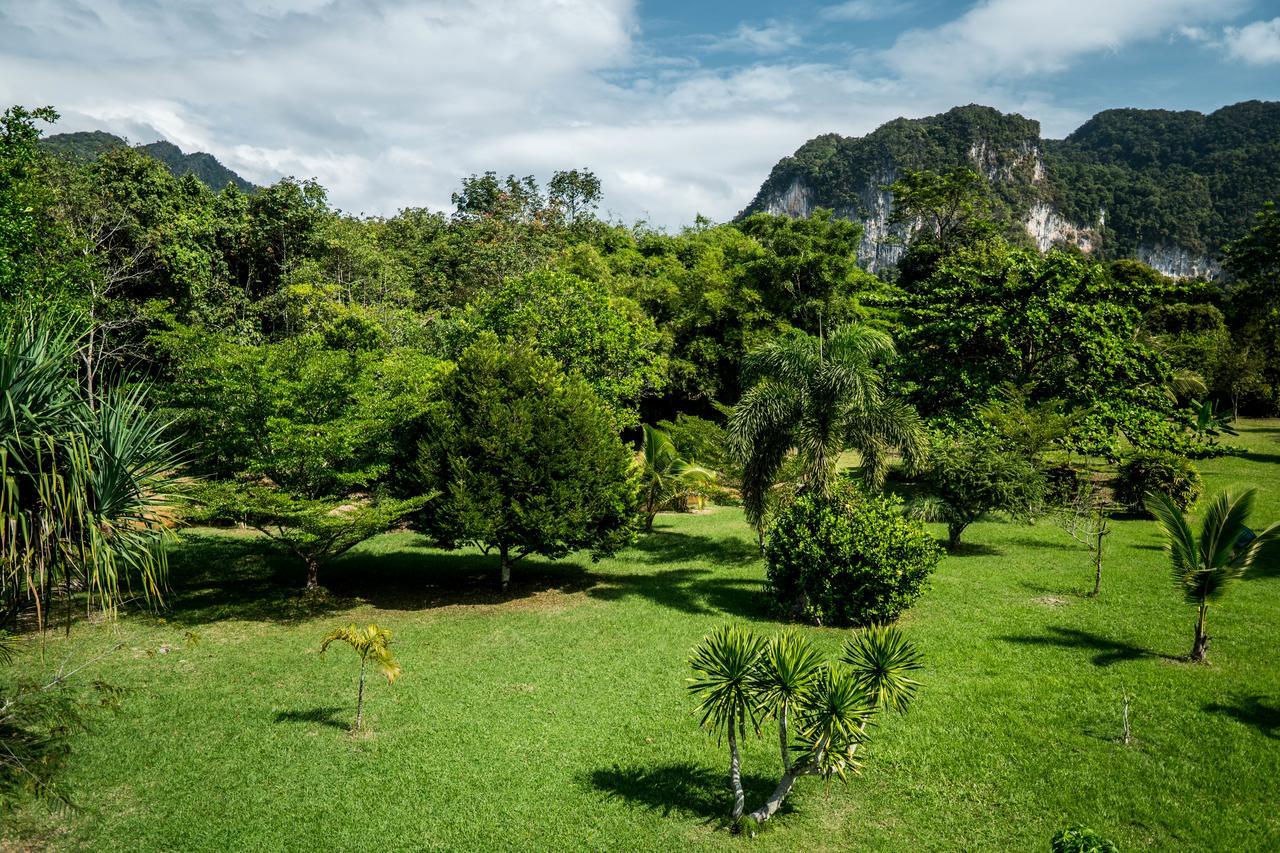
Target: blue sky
(680,107)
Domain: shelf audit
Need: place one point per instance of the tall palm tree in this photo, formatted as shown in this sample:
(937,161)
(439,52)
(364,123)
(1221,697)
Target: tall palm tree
(1204,569)
(665,476)
(818,397)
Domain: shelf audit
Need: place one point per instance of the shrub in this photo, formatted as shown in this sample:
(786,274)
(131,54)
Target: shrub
(1081,839)
(849,558)
(1062,484)
(1157,472)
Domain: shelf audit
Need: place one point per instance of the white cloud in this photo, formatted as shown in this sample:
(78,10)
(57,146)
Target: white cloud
(389,102)
(1257,43)
(863,10)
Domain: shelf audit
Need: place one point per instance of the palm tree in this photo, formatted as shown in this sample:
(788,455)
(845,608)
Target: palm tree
(370,643)
(724,667)
(787,667)
(818,397)
(85,492)
(665,477)
(1204,569)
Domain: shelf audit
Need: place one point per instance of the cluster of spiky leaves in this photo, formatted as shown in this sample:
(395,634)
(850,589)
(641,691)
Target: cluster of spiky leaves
(372,643)
(1203,569)
(740,677)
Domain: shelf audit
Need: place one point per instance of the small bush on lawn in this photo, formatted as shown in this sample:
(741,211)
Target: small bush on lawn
(1081,839)
(1160,473)
(848,558)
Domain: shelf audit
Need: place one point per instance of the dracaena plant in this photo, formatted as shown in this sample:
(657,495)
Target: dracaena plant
(822,708)
(373,645)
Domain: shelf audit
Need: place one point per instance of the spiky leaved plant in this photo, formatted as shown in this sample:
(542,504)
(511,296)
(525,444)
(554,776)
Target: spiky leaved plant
(787,668)
(371,643)
(1204,569)
(724,669)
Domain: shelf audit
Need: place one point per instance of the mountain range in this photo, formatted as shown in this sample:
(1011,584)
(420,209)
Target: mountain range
(1169,188)
(89,144)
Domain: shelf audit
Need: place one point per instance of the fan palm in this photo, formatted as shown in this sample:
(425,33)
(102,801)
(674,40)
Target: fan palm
(1203,569)
(665,476)
(371,643)
(818,398)
(724,670)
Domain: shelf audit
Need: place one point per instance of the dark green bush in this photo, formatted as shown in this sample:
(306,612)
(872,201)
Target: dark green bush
(1081,839)
(1062,484)
(1157,472)
(849,559)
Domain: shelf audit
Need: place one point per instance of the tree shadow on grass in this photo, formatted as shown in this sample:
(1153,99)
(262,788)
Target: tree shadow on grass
(325,716)
(970,549)
(670,546)
(1255,711)
(1108,651)
(695,591)
(1262,458)
(681,788)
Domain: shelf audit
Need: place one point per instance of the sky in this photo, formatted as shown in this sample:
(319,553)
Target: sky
(681,107)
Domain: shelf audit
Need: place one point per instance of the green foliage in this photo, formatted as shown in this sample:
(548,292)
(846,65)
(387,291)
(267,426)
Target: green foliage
(1080,839)
(665,478)
(525,459)
(1203,569)
(608,341)
(947,209)
(703,442)
(847,558)
(817,397)
(972,474)
(1157,472)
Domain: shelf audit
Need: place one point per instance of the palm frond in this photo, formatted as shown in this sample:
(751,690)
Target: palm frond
(882,661)
(724,665)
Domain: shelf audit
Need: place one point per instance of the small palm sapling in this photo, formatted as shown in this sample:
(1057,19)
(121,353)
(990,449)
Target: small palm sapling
(372,644)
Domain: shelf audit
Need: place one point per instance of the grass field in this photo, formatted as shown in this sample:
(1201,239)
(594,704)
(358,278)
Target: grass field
(558,717)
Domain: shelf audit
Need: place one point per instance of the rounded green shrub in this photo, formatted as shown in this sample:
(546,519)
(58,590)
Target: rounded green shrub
(1157,472)
(851,558)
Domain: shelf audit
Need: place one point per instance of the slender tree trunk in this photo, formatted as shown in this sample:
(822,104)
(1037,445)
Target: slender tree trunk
(360,695)
(313,574)
(782,738)
(648,522)
(779,794)
(735,774)
(953,536)
(1097,565)
(504,566)
(1200,651)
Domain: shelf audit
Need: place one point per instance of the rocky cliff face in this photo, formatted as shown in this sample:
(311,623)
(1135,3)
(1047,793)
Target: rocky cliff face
(1102,190)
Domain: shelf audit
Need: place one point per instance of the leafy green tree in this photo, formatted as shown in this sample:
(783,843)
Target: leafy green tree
(973,474)
(608,341)
(818,397)
(525,458)
(665,477)
(946,208)
(740,678)
(574,192)
(371,644)
(1204,569)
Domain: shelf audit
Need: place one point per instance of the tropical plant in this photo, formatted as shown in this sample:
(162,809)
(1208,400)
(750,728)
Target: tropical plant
(372,644)
(1158,472)
(1081,839)
(666,478)
(86,493)
(973,474)
(1226,549)
(817,397)
(741,678)
(1209,422)
(847,558)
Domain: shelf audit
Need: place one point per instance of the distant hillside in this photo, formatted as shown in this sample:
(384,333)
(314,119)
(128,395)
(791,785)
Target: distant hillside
(1167,187)
(86,145)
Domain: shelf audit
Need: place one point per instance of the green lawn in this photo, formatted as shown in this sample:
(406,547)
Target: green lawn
(558,717)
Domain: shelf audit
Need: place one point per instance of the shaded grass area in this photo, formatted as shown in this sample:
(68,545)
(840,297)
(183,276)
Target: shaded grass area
(556,716)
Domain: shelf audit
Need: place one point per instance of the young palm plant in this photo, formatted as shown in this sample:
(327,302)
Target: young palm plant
(724,671)
(1204,569)
(665,477)
(372,644)
(818,397)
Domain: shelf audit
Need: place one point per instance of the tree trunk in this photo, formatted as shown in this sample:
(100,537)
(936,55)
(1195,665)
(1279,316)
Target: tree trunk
(504,566)
(360,696)
(953,535)
(1200,651)
(1097,564)
(782,738)
(779,794)
(313,574)
(648,522)
(735,775)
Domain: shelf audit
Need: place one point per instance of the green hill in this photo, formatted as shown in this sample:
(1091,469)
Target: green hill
(86,145)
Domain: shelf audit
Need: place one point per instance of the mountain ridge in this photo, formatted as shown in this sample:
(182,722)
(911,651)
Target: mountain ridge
(1166,187)
(88,144)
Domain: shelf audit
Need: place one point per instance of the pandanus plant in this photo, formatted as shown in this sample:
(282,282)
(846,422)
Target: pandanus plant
(823,709)
(1204,569)
(372,644)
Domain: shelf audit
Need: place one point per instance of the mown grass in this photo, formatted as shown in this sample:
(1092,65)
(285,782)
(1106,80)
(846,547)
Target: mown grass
(557,717)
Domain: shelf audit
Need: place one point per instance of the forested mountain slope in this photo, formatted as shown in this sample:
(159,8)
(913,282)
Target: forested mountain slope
(89,144)
(1166,187)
